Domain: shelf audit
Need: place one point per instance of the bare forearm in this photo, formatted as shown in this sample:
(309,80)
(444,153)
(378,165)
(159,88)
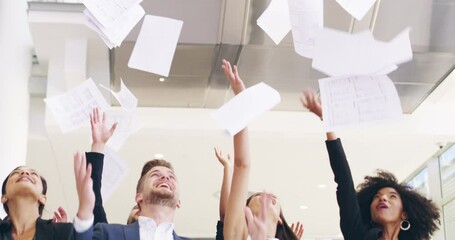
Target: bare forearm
(98,147)
(225,189)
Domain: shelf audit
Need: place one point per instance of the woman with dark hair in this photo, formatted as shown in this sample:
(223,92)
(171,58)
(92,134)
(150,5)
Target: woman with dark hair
(235,225)
(24,194)
(382,208)
(23,198)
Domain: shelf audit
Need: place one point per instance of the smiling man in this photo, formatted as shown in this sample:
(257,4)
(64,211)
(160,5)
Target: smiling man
(157,195)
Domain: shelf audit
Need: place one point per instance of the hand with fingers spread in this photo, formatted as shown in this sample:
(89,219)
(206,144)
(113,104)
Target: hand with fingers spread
(311,100)
(100,132)
(60,216)
(225,161)
(233,76)
(298,230)
(257,225)
(84,183)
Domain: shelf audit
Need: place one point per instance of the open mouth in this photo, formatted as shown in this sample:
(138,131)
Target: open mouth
(164,185)
(24,179)
(382,206)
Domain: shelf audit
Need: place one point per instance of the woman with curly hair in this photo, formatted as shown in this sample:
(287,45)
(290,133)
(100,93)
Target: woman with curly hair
(382,208)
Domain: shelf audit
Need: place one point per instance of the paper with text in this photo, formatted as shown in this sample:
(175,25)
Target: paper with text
(359,100)
(125,97)
(114,172)
(71,109)
(275,20)
(307,16)
(246,106)
(339,53)
(357,8)
(128,122)
(106,12)
(156,44)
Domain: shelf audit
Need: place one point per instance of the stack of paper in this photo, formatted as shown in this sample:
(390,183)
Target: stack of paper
(359,92)
(113,19)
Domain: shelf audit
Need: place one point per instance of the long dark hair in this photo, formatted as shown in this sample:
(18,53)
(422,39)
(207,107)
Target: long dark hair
(283,230)
(421,212)
(40,207)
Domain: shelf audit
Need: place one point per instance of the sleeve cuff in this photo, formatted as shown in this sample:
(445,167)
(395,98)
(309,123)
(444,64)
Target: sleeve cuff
(83,225)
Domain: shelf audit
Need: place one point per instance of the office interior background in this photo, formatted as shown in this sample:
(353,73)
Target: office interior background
(46,49)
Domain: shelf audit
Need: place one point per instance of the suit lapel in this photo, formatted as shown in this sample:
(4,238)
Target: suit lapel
(132,231)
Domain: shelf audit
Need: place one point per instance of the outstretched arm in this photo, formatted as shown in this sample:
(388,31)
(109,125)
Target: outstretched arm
(84,183)
(100,135)
(350,216)
(234,221)
(227,179)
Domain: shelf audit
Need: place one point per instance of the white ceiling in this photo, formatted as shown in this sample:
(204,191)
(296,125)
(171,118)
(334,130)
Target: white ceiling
(288,151)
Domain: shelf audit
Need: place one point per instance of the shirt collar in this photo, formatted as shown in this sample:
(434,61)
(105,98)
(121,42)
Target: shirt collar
(149,223)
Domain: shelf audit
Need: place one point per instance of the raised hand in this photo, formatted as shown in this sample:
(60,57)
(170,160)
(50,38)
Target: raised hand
(311,100)
(233,76)
(60,216)
(84,186)
(257,225)
(297,229)
(225,161)
(100,132)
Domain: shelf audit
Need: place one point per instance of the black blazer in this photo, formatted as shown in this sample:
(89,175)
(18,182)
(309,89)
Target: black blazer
(45,230)
(351,223)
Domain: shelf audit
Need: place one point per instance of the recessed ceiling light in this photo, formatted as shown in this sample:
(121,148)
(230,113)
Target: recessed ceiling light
(159,156)
(162,79)
(303,207)
(322,186)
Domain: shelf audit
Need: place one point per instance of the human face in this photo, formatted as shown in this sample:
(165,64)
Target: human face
(24,181)
(387,207)
(274,210)
(160,186)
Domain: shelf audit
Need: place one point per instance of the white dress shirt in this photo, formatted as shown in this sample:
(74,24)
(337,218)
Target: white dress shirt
(148,230)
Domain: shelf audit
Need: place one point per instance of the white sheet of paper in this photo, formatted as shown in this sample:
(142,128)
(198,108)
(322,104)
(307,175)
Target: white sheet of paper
(275,20)
(357,8)
(114,171)
(307,16)
(71,109)
(339,53)
(107,12)
(114,35)
(359,100)
(156,44)
(125,97)
(246,106)
(128,122)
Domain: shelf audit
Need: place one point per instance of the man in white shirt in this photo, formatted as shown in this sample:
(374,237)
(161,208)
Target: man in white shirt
(157,196)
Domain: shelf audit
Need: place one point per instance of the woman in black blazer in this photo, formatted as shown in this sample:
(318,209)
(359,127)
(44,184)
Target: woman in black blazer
(24,194)
(382,208)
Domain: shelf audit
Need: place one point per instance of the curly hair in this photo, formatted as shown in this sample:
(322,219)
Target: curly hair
(421,212)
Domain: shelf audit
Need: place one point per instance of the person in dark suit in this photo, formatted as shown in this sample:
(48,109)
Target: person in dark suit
(157,195)
(382,208)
